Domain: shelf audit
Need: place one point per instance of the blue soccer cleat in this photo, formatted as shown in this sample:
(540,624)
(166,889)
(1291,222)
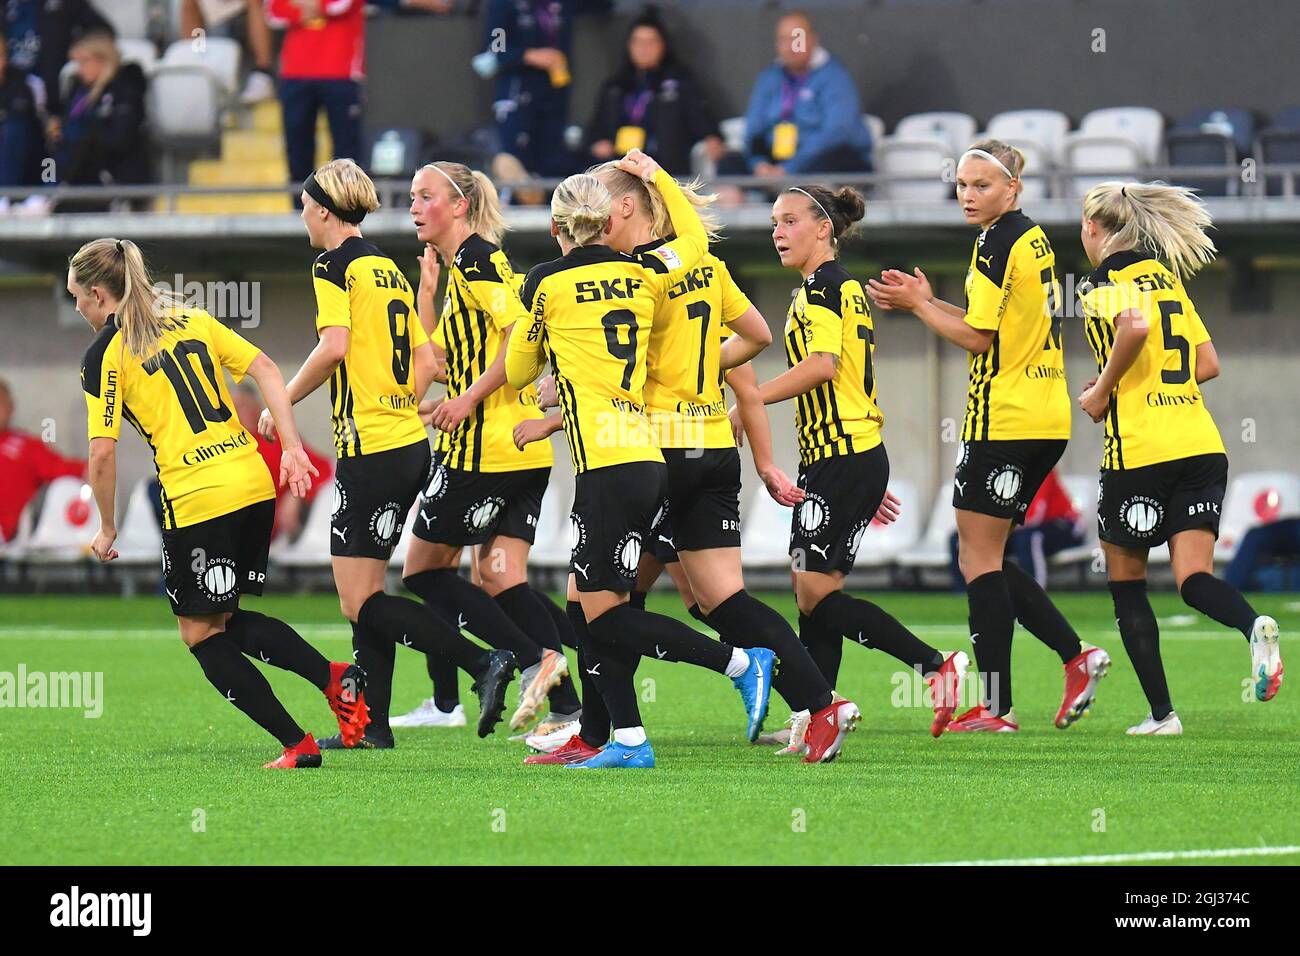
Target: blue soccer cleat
(755,685)
(615,756)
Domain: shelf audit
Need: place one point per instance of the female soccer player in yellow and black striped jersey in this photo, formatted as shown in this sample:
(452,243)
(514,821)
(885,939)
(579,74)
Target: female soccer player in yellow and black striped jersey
(157,364)
(592,312)
(698,523)
(1015,429)
(843,468)
(377,358)
(481,490)
(1164,470)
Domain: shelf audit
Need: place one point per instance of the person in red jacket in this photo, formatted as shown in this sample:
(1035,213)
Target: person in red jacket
(26,465)
(289,511)
(322,64)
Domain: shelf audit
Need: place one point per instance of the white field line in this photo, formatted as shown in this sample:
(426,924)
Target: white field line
(1156,856)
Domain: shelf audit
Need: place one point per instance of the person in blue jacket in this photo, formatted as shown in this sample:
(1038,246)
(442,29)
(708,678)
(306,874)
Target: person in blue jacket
(527,50)
(804,114)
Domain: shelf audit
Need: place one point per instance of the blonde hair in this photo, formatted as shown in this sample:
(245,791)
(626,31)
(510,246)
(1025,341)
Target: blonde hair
(1010,157)
(620,183)
(347,185)
(580,207)
(117,266)
(1167,221)
(484,212)
(102,46)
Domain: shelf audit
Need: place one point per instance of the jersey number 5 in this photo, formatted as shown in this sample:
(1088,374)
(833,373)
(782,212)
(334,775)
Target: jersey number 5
(399,316)
(1174,343)
(196,405)
(625,352)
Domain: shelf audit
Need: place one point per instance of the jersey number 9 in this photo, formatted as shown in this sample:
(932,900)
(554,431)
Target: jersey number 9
(625,352)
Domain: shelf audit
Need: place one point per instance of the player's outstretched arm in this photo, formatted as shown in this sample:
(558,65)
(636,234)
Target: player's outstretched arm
(101,469)
(296,469)
(752,336)
(903,292)
(751,415)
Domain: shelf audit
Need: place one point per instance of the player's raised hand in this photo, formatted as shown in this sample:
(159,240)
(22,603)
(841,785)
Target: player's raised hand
(102,544)
(430,268)
(901,291)
(266,425)
(639,164)
(547,395)
(297,471)
(889,509)
(781,488)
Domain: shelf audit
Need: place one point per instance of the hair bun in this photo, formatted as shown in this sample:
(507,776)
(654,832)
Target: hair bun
(850,204)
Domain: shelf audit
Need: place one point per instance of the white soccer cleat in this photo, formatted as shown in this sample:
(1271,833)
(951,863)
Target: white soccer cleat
(798,727)
(553,740)
(535,683)
(427,714)
(1265,657)
(1150,727)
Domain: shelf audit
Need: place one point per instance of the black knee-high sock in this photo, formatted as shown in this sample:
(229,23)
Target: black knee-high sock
(274,642)
(826,648)
(1141,634)
(695,612)
(871,626)
(236,679)
(560,618)
(745,621)
(595,715)
(992,620)
(445,677)
(663,638)
(1219,600)
(1041,618)
(612,665)
(375,653)
(413,625)
(455,598)
(521,604)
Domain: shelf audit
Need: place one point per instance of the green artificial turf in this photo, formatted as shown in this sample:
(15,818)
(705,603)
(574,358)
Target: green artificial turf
(171,774)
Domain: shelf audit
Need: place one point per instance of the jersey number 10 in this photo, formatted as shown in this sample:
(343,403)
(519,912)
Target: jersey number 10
(191,394)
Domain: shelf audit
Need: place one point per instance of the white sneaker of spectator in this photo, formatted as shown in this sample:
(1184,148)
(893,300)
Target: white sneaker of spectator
(258,87)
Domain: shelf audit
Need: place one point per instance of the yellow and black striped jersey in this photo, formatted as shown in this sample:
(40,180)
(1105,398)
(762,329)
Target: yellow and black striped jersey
(683,390)
(1017,387)
(176,398)
(830,314)
(592,314)
(372,392)
(1157,412)
(481,303)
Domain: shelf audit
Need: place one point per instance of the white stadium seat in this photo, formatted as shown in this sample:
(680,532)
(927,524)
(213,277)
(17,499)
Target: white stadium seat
(138,51)
(956,129)
(140,538)
(765,531)
(184,107)
(920,161)
(66,524)
(312,548)
(932,550)
(882,544)
(14,549)
(876,125)
(130,18)
(1044,129)
(733,132)
(552,545)
(1114,143)
(1253,499)
(1082,490)
(218,55)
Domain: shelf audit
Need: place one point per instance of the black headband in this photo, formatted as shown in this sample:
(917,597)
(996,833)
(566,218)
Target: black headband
(316,192)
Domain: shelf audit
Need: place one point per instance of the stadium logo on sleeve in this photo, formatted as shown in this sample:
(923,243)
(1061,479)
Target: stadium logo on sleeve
(386,524)
(217,580)
(628,553)
(483,515)
(1004,484)
(340,500)
(1141,516)
(814,514)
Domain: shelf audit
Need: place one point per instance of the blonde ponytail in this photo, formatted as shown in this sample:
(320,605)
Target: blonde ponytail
(1167,221)
(118,267)
(580,207)
(620,183)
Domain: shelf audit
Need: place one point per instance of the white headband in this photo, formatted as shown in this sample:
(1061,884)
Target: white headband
(796,189)
(982,154)
(450,180)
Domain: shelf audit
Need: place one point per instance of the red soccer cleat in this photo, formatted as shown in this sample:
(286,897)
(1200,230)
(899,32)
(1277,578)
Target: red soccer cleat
(1082,675)
(945,689)
(575,751)
(827,728)
(301,756)
(982,719)
(346,695)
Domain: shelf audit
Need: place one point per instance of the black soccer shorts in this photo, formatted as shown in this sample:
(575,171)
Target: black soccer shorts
(843,494)
(1000,478)
(207,566)
(373,494)
(612,510)
(460,507)
(1144,507)
(701,509)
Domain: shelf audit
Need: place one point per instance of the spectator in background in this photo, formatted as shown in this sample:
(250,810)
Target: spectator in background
(101,136)
(27,464)
(652,104)
(322,64)
(41,33)
(203,15)
(1051,525)
(527,51)
(804,114)
(1275,542)
(290,512)
(20,126)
